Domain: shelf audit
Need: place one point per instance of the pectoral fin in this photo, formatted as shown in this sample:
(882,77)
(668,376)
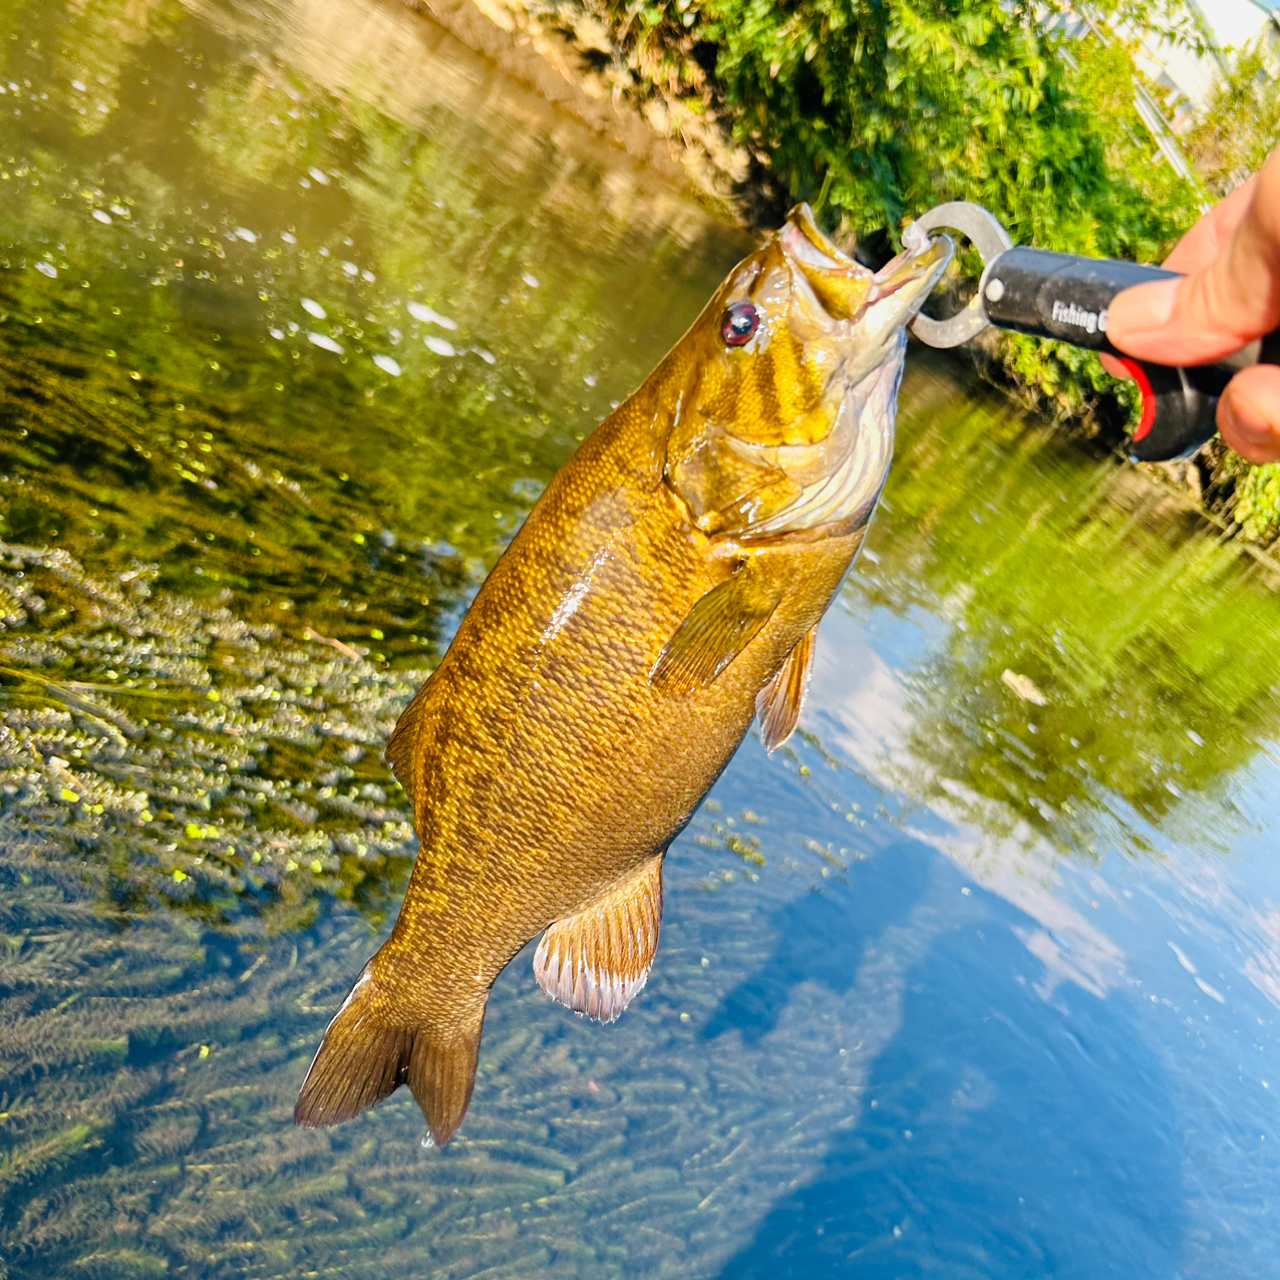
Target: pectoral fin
(778,703)
(596,960)
(717,629)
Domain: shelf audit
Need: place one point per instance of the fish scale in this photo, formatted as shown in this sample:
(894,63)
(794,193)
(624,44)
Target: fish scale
(615,658)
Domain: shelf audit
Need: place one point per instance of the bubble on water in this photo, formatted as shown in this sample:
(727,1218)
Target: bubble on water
(78,84)
(487,356)
(440,346)
(350,269)
(101,215)
(288,237)
(277,334)
(249,237)
(428,316)
(387,365)
(313,308)
(325,343)
(530,279)
(1195,737)
(319,176)
(589,379)
(119,210)
(47,269)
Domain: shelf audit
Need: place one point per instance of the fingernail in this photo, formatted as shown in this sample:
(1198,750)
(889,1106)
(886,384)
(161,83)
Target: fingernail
(1147,306)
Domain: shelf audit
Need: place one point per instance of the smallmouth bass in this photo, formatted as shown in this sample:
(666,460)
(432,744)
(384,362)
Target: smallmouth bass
(664,590)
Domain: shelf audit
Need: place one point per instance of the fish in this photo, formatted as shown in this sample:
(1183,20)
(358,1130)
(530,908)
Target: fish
(664,591)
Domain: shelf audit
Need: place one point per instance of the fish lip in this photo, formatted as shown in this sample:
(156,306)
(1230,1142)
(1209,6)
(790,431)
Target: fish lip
(908,278)
(913,267)
(804,242)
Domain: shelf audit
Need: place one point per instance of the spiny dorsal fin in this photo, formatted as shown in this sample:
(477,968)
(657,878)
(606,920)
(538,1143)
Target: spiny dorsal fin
(596,960)
(778,703)
(716,630)
(402,752)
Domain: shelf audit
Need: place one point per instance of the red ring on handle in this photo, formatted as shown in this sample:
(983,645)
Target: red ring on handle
(1148,398)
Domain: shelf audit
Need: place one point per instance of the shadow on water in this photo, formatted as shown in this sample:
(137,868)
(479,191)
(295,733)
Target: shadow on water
(1004,1131)
(820,939)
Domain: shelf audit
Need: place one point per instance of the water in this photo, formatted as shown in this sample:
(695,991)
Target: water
(977,977)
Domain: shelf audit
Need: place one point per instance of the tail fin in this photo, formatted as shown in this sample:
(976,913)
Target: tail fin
(363,1058)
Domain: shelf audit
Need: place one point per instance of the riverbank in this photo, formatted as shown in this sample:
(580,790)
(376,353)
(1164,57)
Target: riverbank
(675,86)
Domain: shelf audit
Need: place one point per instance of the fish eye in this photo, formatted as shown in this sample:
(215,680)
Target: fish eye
(740,324)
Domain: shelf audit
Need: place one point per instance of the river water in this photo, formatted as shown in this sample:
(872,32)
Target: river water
(301,305)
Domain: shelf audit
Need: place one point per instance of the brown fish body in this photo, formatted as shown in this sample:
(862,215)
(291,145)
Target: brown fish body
(595,690)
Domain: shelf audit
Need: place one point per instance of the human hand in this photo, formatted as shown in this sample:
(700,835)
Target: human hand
(1230,295)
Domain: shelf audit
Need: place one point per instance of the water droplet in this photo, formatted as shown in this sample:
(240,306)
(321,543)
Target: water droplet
(530,280)
(313,308)
(47,269)
(387,365)
(440,346)
(325,343)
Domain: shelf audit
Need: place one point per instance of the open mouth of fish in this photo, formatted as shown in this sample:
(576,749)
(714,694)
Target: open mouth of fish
(841,476)
(840,287)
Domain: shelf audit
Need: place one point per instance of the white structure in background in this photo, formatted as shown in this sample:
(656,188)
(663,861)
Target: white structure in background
(1190,79)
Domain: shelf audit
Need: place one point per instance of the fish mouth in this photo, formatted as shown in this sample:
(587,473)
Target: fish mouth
(844,290)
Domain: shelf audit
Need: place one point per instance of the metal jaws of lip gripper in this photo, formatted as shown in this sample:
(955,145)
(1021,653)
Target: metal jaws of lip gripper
(990,239)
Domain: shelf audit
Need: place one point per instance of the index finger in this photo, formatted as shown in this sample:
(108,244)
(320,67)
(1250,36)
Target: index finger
(1217,310)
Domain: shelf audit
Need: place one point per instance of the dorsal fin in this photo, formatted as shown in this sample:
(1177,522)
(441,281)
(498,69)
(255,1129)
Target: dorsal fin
(715,631)
(402,752)
(597,959)
(778,703)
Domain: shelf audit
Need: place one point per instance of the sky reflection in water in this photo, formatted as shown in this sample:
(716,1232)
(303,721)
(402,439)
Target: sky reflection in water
(956,984)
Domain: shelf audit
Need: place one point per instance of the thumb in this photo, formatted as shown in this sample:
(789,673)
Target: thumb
(1213,312)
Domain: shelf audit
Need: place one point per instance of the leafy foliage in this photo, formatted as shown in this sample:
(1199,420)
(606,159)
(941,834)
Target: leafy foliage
(1242,125)
(881,109)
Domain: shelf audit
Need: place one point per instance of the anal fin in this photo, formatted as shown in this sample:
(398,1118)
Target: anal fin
(715,631)
(596,960)
(778,703)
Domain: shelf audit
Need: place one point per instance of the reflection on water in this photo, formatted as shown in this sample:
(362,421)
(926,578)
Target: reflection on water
(302,306)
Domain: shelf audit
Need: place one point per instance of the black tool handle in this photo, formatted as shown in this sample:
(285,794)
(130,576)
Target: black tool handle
(1062,296)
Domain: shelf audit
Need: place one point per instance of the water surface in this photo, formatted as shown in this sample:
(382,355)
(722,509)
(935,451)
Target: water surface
(303,304)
